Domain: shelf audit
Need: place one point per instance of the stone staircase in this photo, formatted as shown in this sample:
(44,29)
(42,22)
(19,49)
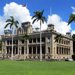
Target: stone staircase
(19,57)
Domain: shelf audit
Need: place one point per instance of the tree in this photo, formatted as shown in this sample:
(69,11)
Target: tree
(38,16)
(58,37)
(73,37)
(71,19)
(12,23)
(24,37)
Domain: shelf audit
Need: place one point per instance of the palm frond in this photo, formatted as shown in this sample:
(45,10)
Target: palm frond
(24,37)
(16,25)
(33,16)
(42,12)
(8,20)
(34,21)
(73,37)
(58,37)
(16,22)
(12,17)
(11,25)
(7,25)
(11,22)
(44,18)
(71,19)
(38,15)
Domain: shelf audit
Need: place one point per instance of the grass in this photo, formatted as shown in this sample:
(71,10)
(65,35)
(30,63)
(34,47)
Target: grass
(37,68)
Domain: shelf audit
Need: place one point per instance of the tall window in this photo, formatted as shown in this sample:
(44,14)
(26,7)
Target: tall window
(38,39)
(22,41)
(34,40)
(30,40)
(43,39)
(57,50)
(30,50)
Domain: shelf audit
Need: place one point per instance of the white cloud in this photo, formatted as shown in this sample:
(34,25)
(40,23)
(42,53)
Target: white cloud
(60,25)
(18,11)
(73,10)
(22,14)
(37,24)
(73,32)
(2,23)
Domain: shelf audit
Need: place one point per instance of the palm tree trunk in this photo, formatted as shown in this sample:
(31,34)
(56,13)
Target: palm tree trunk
(40,44)
(12,44)
(24,50)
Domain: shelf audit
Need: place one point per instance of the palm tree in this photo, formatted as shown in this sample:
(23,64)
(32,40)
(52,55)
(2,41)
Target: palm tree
(38,16)
(73,37)
(71,19)
(12,23)
(58,37)
(24,37)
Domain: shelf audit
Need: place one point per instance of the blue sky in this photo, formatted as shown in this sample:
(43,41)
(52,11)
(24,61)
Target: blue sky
(59,7)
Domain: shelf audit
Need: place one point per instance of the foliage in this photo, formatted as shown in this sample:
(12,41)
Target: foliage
(71,19)
(73,37)
(25,37)
(38,16)
(58,37)
(11,22)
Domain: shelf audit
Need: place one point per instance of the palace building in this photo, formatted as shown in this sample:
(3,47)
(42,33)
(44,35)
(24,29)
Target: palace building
(30,48)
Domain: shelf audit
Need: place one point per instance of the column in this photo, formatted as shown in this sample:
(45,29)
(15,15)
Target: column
(18,46)
(71,48)
(46,49)
(15,50)
(63,50)
(52,45)
(32,52)
(27,49)
(20,50)
(36,52)
(24,52)
(5,49)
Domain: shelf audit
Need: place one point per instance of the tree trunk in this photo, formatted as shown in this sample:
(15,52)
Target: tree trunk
(40,44)
(24,50)
(12,44)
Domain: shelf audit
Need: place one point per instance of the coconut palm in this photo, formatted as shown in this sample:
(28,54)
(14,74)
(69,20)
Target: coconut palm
(58,37)
(24,37)
(71,19)
(12,23)
(38,16)
(73,37)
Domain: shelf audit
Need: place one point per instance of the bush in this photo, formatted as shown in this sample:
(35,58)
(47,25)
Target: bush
(73,57)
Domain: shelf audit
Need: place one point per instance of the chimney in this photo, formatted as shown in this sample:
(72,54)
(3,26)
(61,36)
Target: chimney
(50,27)
(25,24)
(68,34)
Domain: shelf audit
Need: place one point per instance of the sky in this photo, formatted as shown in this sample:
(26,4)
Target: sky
(57,12)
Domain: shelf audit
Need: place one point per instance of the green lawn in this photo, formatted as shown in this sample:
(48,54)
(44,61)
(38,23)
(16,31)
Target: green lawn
(36,68)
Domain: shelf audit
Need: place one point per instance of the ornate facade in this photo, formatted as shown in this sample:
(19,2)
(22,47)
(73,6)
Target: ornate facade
(30,48)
